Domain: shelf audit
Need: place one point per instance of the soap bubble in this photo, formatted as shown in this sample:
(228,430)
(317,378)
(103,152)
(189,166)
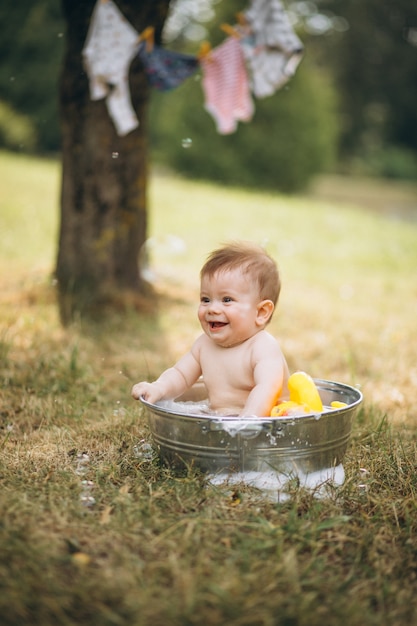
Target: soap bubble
(82,464)
(85,497)
(187,142)
(87,500)
(143,451)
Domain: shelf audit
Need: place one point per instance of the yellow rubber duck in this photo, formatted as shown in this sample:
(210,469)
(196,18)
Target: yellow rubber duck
(304,397)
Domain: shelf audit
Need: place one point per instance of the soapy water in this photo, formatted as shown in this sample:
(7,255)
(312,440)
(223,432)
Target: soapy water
(274,485)
(187,408)
(240,423)
(232,424)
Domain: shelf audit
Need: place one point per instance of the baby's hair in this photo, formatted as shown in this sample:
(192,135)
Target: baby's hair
(253,260)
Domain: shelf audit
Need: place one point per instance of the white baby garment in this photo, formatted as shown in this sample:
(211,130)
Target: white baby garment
(110,47)
(272,49)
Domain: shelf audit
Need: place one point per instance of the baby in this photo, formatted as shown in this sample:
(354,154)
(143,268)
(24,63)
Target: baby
(242,365)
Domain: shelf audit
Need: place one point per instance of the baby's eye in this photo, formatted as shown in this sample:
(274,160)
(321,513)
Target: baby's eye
(227,299)
(204,300)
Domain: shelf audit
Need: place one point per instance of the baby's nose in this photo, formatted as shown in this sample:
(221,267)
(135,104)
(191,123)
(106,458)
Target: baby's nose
(214,306)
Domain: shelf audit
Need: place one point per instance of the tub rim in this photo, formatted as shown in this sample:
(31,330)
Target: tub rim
(321,383)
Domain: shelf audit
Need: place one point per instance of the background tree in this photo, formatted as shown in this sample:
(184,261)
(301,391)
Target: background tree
(103,203)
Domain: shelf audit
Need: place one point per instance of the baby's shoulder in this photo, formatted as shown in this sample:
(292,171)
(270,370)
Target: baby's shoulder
(201,343)
(265,342)
(263,336)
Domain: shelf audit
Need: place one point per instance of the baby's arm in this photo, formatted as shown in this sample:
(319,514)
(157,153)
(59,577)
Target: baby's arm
(172,382)
(270,372)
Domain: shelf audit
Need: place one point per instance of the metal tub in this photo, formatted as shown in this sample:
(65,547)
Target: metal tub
(215,444)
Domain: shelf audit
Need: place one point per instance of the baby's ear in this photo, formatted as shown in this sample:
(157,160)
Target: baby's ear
(264,312)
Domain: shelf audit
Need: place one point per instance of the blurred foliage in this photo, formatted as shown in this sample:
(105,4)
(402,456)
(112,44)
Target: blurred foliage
(284,145)
(374,62)
(17,131)
(387,162)
(31,46)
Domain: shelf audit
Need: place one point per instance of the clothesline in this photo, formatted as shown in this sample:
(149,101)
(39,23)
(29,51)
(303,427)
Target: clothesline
(259,55)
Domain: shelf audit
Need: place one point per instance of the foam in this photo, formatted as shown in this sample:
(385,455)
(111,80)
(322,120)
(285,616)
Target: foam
(274,484)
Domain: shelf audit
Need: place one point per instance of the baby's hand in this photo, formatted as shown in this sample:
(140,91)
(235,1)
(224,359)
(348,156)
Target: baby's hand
(150,392)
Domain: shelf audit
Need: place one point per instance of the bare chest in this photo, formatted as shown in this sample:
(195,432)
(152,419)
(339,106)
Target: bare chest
(228,369)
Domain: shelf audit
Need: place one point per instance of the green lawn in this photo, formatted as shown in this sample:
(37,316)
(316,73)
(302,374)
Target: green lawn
(94,532)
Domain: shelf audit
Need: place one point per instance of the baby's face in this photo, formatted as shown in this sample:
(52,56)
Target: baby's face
(228,311)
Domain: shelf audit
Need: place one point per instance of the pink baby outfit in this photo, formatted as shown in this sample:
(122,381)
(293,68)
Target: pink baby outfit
(272,50)
(110,46)
(226,87)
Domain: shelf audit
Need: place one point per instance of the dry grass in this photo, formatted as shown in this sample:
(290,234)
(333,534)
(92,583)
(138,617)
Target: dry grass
(94,531)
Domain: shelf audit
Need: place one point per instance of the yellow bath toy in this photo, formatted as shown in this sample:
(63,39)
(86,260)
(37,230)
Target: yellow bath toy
(286,408)
(304,397)
(336,404)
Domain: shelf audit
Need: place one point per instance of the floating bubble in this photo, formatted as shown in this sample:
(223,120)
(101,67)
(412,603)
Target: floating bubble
(87,484)
(187,142)
(143,451)
(119,410)
(87,501)
(82,464)
(411,36)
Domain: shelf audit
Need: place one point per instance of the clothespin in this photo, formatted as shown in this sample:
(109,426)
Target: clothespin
(148,35)
(241,19)
(229,30)
(205,50)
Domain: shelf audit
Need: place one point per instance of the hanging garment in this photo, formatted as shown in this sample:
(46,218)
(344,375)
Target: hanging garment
(110,46)
(272,50)
(226,87)
(166,69)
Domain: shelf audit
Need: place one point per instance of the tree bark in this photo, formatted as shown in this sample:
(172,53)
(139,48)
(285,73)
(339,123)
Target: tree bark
(104,175)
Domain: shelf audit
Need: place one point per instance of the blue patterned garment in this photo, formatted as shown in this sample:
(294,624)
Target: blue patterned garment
(167,69)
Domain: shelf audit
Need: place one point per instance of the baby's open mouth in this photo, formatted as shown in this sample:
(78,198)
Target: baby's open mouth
(217,324)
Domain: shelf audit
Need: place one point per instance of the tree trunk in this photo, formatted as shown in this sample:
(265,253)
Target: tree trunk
(104,176)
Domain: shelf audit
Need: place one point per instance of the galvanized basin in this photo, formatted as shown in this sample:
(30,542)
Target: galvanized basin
(303,445)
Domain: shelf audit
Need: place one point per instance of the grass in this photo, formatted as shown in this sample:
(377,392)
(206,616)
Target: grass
(94,531)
